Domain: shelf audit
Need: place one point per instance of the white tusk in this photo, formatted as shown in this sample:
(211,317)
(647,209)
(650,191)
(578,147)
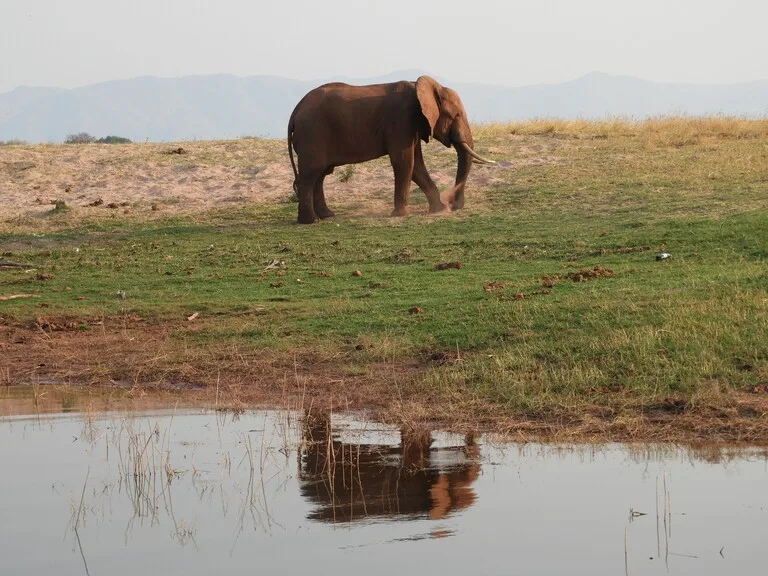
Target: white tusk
(475,155)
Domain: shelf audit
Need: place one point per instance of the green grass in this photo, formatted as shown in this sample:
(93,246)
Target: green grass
(685,326)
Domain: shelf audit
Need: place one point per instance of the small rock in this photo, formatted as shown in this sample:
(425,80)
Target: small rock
(447,265)
(357,273)
(663,256)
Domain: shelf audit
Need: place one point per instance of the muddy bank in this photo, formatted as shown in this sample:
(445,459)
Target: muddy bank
(155,356)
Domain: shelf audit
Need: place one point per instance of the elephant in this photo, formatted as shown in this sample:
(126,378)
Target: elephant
(337,124)
(349,482)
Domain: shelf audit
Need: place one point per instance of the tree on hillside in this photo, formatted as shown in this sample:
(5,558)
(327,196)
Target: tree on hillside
(80,138)
(85,138)
(114,140)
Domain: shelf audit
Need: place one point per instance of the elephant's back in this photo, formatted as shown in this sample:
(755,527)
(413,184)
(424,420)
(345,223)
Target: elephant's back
(351,92)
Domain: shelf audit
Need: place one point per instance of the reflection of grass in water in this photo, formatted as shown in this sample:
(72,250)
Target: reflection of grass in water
(146,474)
(78,514)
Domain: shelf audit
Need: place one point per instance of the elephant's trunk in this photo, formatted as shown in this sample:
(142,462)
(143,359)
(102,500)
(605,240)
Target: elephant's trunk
(455,195)
(462,173)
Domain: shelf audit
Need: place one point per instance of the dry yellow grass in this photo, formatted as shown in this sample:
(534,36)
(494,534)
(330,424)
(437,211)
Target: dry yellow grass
(657,131)
(703,126)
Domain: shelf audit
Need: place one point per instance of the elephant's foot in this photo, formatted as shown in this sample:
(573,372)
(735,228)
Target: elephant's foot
(441,208)
(307,218)
(457,204)
(325,213)
(403,211)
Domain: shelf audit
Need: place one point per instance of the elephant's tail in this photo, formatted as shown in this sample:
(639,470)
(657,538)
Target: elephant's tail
(291,125)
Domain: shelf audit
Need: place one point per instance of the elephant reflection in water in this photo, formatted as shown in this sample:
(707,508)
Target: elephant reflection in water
(349,481)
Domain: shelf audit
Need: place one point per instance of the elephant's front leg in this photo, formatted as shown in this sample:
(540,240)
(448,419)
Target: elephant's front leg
(402,164)
(318,198)
(423,180)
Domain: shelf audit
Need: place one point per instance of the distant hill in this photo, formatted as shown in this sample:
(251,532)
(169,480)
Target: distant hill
(225,106)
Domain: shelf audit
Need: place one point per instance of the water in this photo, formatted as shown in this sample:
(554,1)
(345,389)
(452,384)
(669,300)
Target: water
(191,491)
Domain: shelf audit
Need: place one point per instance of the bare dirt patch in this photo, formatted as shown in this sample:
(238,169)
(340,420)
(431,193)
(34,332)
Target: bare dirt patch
(495,285)
(195,177)
(200,176)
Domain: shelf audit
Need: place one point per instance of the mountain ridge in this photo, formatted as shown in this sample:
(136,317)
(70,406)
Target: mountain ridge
(220,106)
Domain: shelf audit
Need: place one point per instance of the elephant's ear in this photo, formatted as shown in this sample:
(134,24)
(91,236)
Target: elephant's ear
(428,93)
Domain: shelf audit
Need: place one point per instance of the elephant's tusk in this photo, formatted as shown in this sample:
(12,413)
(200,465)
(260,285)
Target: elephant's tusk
(475,155)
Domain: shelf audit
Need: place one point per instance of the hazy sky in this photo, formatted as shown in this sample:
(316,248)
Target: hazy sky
(70,43)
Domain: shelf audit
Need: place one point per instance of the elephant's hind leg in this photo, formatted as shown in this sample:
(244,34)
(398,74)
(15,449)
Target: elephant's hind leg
(318,198)
(307,179)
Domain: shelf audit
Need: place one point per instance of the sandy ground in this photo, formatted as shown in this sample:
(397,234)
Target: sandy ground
(212,175)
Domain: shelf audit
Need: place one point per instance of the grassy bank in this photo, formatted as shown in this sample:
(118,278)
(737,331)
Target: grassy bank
(559,318)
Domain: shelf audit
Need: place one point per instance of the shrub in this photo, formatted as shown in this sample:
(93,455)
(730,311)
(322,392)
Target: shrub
(347,172)
(59,206)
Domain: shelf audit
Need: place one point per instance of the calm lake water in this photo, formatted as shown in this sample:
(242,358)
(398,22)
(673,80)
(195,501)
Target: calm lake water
(191,491)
